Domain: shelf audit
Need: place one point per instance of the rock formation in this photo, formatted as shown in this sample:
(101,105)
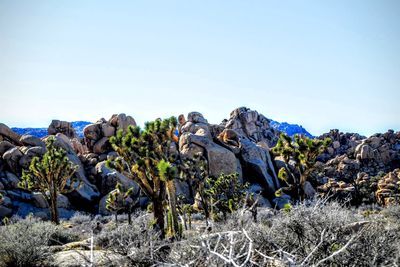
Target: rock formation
(352,165)
(62,127)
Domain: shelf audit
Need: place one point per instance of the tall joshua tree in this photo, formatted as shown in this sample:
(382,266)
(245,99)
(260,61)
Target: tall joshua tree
(304,152)
(51,175)
(140,153)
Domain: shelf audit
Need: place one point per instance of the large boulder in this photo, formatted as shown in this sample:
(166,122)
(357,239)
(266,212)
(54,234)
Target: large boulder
(30,140)
(10,180)
(92,133)
(220,159)
(121,121)
(12,158)
(73,258)
(108,179)
(102,146)
(196,124)
(5,146)
(9,134)
(5,212)
(62,127)
(187,148)
(257,166)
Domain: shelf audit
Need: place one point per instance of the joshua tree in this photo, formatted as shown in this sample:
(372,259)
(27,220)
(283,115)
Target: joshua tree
(51,175)
(168,173)
(195,171)
(121,199)
(303,152)
(142,155)
(224,194)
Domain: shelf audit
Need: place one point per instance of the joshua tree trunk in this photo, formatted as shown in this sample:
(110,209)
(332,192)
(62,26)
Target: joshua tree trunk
(172,203)
(130,215)
(158,212)
(54,208)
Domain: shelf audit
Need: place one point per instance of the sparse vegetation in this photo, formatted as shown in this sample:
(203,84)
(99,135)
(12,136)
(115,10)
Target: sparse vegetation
(120,200)
(140,153)
(25,242)
(51,175)
(310,234)
(299,155)
(224,194)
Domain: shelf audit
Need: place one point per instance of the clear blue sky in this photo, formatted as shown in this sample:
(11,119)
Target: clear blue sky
(321,64)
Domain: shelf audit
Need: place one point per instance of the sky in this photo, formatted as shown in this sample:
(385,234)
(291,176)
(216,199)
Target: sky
(321,64)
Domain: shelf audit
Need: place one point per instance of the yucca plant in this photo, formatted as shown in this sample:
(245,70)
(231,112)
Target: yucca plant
(303,151)
(52,174)
(139,155)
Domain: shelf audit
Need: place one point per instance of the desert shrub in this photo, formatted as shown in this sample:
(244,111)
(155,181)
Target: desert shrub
(322,234)
(137,241)
(63,236)
(392,212)
(25,242)
(80,217)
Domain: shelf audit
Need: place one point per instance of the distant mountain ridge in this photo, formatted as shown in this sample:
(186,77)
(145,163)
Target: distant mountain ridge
(290,129)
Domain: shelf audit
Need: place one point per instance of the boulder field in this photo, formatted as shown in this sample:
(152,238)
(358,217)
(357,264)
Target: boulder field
(238,144)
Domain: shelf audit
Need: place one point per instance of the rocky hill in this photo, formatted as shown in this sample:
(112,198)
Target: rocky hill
(242,144)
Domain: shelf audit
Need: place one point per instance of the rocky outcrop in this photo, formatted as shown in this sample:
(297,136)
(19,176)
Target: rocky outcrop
(342,143)
(109,178)
(62,127)
(240,144)
(378,153)
(196,138)
(6,134)
(388,191)
(361,162)
(252,125)
(96,135)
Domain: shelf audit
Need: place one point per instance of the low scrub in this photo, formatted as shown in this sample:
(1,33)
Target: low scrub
(25,242)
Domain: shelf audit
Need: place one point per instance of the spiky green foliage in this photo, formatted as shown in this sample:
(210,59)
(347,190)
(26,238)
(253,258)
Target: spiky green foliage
(195,171)
(225,194)
(142,154)
(1,198)
(303,152)
(121,200)
(51,175)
